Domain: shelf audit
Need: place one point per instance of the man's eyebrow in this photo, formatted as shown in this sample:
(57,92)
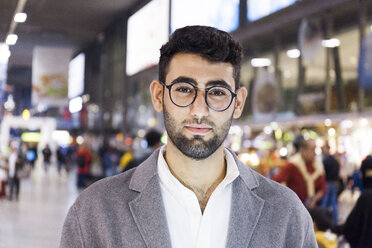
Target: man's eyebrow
(218,83)
(208,84)
(184,79)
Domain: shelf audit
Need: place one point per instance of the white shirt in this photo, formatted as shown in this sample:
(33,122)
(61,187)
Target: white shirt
(188,226)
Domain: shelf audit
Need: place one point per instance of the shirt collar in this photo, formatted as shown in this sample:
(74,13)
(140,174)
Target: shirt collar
(166,177)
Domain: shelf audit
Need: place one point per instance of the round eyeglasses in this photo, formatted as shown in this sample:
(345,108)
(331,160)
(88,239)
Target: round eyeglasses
(183,94)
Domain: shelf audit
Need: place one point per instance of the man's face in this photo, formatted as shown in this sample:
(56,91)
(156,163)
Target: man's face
(198,131)
(308,152)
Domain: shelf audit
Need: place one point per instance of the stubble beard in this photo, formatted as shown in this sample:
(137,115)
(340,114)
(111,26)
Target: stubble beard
(196,148)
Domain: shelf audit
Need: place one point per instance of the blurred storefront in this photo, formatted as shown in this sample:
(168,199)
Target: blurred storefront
(303,71)
(303,61)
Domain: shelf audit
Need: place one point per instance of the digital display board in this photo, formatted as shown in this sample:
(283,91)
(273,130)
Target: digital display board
(257,9)
(221,14)
(76,72)
(148,30)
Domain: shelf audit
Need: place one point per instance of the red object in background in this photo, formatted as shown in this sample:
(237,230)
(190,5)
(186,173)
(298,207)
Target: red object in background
(2,188)
(86,155)
(66,114)
(84,117)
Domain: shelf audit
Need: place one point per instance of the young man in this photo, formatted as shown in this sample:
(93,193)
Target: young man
(193,192)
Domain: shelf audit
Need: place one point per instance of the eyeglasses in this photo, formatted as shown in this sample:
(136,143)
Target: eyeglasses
(183,94)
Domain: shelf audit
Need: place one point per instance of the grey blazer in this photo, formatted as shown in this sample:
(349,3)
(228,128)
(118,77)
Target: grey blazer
(127,211)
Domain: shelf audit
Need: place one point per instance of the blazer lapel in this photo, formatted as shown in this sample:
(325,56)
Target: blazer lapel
(148,208)
(245,212)
(246,208)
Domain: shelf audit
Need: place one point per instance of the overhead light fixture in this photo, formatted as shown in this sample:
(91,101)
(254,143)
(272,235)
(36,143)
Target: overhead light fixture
(20,17)
(11,39)
(293,53)
(260,62)
(331,43)
(76,104)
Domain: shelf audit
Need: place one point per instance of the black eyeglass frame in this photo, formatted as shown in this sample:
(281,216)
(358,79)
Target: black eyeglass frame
(169,87)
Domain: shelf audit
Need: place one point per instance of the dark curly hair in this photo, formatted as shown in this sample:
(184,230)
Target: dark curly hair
(210,43)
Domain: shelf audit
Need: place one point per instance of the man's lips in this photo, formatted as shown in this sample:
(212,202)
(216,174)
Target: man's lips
(198,128)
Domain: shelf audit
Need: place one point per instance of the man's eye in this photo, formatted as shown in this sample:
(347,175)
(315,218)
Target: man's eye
(217,92)
(184,89)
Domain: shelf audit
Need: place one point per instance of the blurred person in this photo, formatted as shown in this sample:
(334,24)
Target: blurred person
(193,192)
(31,155)
(47,154)
(3,176)
(355,181)
(64,158)
(83,159)
(61,159)
(126,157)
(332,170)
(14,166)
(153,142)
(357,228)
(304,174)
(110,161)
(103,148)
(366,171)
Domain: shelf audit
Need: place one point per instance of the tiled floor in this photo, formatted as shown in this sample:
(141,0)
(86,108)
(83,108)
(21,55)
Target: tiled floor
(36,219)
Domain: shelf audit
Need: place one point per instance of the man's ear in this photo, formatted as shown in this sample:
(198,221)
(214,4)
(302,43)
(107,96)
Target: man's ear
(241,96)
(156,89)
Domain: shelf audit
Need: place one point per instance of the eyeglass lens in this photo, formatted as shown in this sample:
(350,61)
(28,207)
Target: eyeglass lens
(183,94)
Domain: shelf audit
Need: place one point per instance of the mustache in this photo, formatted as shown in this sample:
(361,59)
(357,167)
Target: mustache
(198,121)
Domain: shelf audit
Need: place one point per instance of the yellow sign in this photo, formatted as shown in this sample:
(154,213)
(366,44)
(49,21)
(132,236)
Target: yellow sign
(30,137)
(26,114)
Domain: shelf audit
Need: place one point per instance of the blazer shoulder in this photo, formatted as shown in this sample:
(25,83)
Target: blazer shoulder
(114,188)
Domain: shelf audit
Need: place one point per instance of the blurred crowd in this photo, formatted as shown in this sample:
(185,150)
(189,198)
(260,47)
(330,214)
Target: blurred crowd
(317,180)
(93,159)
(320,181)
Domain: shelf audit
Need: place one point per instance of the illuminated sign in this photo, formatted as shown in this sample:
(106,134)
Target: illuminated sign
(30,137)
(221,14)
(148,30)
(260,8)
(76,70)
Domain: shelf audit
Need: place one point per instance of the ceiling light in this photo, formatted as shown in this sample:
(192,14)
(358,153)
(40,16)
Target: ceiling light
(364,122)
(328,122)
(11,39)
(260,62)
(20,17)
(293,53)
(76,104)
(331,43)
(331,132)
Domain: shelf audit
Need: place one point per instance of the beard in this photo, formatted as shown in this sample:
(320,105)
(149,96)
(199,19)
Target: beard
(197,147)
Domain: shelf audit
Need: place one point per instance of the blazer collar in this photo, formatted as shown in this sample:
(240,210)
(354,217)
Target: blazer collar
(246,207)
(149,213)
(148,208)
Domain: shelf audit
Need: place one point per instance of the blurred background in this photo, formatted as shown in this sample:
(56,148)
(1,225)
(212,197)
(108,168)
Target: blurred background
(75,105)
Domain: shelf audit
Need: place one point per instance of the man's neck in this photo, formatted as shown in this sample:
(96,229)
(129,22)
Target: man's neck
(200,176)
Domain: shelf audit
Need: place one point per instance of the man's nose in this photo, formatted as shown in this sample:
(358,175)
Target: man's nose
(199,108)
